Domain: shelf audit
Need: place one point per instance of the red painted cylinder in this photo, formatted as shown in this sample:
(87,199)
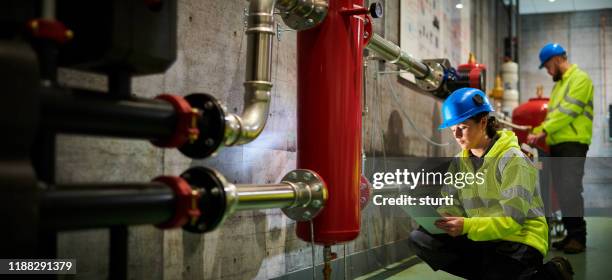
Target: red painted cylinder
(532,113)
(476,73)
(329,118)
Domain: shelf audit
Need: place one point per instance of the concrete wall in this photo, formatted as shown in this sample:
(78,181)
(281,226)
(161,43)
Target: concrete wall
(252,244)
(587,37)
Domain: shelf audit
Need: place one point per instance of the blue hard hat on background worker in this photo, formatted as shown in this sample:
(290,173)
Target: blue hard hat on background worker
(549,51)
(463,104)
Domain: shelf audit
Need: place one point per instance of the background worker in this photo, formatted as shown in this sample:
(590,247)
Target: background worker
(568,130)
(496,229)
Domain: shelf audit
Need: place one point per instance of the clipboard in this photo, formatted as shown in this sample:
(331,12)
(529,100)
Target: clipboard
(424,215)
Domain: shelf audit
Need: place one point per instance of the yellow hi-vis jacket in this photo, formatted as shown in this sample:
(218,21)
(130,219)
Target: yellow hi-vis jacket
(507,204)
(570,109)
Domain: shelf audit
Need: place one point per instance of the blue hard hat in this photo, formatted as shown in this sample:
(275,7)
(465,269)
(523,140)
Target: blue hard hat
(550,50)
(463,104)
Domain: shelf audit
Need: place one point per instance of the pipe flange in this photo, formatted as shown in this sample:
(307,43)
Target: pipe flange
(304,14)
(213,204)
(311,194)
(433,81)
(211,126)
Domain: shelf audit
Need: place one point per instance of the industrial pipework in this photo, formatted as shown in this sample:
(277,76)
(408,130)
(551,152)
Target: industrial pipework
(432,75)
(140,42)
(299,15)
(199,201)
(198,124)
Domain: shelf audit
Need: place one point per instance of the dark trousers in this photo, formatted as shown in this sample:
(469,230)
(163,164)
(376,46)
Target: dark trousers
(477,259)
(567,167)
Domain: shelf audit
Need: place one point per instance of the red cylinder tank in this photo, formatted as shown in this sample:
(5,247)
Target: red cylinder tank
(532,113)
(329,118)
(475,72)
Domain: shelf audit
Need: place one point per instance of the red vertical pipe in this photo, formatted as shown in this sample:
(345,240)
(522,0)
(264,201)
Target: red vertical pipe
(329,118)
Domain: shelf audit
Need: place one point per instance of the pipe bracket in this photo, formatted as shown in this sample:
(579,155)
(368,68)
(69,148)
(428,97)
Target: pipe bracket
(434,79)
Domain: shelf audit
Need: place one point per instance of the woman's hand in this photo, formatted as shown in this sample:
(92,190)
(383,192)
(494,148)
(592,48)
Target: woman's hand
(453,226)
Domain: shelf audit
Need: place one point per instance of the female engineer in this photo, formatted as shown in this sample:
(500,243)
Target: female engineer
(496,229)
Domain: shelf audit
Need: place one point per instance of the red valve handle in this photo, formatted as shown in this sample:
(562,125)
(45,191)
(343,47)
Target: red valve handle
(186,207)
(50,29)
(186,127)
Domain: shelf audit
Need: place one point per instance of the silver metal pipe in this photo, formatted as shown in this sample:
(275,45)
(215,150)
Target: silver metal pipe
(265,196)
(429,74)
(244,128)
(302,14)
(301,194)
(394,54)
(48,9)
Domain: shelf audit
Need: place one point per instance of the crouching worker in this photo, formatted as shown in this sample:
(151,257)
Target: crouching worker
(496,229)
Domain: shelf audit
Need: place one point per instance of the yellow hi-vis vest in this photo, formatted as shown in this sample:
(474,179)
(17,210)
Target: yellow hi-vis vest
(570,109)
(507,204)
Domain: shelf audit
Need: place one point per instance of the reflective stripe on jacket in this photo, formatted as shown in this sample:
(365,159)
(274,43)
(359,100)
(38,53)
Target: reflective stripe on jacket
(570,109)
(508,205)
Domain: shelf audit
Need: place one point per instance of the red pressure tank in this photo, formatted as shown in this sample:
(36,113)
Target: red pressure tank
(329,117)
(532,113)
(475,72)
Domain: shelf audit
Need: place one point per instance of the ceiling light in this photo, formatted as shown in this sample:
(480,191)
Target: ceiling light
(551,1)
(460,5)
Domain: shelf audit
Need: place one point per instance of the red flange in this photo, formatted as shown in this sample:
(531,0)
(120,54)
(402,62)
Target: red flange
(365,192)
(186,126)
(50,29)
(186,201)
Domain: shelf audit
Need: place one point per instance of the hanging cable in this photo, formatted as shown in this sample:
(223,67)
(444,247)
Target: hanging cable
(504,120)
(312,250)
(378,101)
(396,98)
